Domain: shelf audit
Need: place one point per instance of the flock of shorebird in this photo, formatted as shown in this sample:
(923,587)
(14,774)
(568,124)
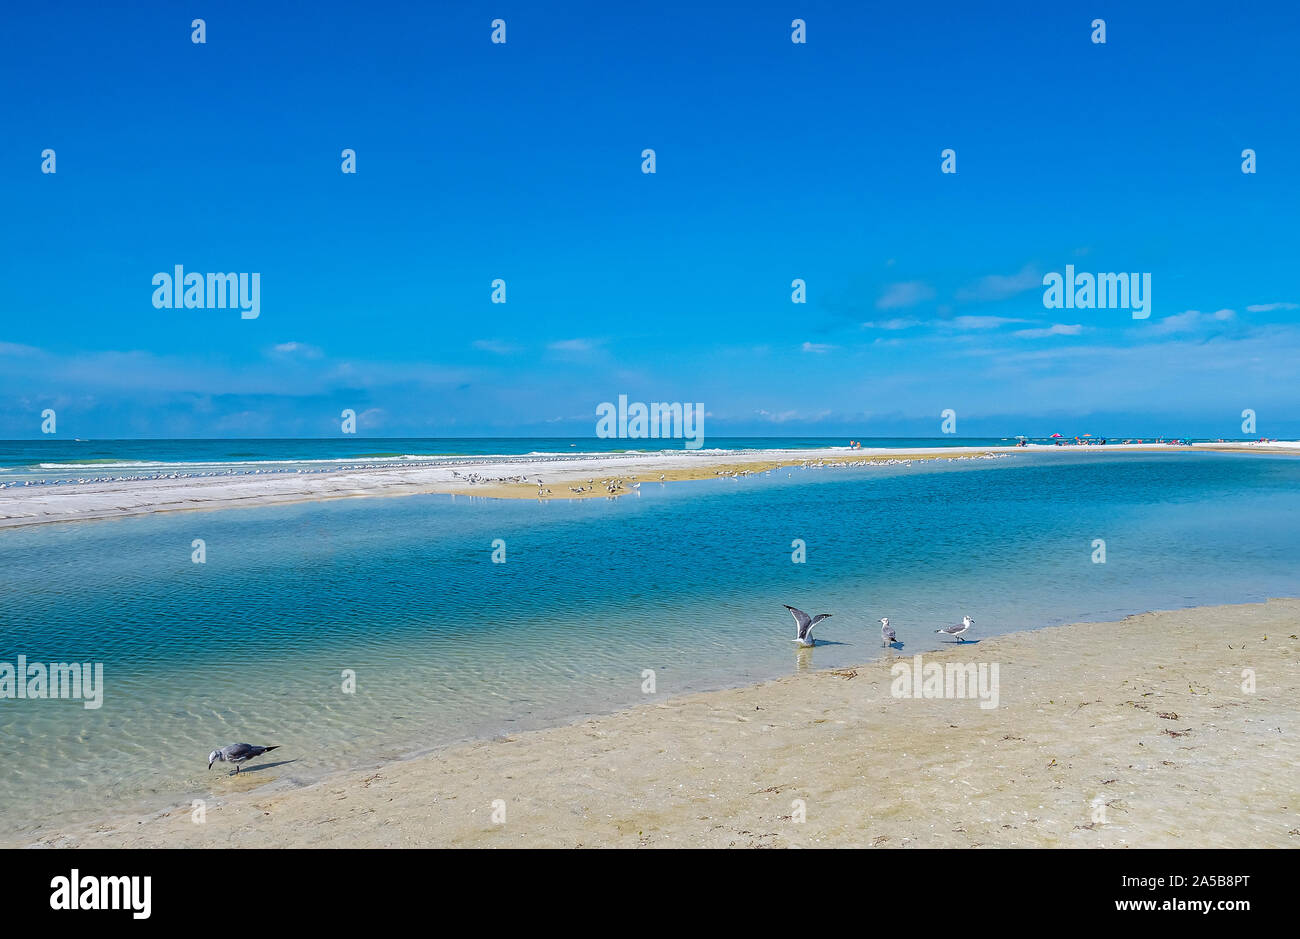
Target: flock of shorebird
(206,474)
(613,485)
(804,626)
(618,485)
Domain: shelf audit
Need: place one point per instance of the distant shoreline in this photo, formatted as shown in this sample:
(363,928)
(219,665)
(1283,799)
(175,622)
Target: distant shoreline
(157,491)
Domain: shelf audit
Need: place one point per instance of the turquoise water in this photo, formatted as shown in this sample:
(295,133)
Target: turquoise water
(687,579)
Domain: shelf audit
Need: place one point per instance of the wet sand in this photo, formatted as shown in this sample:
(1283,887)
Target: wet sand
(1130,734)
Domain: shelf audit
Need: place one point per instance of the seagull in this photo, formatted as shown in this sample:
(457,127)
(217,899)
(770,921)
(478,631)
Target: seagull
(238,753)
(886,631)
(957,631)
(804,624)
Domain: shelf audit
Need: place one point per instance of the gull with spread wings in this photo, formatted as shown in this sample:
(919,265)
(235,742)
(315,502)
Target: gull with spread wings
(805,624)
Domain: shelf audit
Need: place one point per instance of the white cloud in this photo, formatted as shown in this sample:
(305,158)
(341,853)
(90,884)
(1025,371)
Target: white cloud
(897,323)
(821,348)
(15,349)
(300,349)
(1056,329)
(1271,307)
(1001,286)
(495,346)
(573,345)
(1189,321)
(981,322)
(908,293)
(780,417)
(957,322)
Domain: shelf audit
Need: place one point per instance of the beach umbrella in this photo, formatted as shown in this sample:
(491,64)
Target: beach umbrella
(1056,435)
(1087,435)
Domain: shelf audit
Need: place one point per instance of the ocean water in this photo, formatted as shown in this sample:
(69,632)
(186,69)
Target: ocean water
(687,579)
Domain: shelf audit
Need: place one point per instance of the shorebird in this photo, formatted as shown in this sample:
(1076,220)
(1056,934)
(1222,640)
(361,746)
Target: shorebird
(957,631)
(238,753)
(804,624)
(886,631)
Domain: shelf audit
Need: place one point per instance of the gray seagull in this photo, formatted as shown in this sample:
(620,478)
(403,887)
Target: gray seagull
(886,631)
(957,631)
(805,624)
(238,753)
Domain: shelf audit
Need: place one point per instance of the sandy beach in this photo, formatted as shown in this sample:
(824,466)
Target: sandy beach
(579,476)
(1136,733)
(502,478)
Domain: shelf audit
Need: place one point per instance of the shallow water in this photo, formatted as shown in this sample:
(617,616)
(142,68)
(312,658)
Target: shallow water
(686,579)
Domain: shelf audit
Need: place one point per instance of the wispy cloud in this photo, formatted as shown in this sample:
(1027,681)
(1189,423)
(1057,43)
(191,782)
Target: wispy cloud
(781,417)
(821,348)
(1001,286)
(574,345)
(897,323)
(1056,329)
(982,322)
(113,373)
(17,349)
(297,349)
(908,293)
(495,346)
(1271,307)
(1189,321)
(956,322)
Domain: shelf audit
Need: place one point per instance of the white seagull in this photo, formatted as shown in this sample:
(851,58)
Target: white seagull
(957,631)
(886,631)
(805,624)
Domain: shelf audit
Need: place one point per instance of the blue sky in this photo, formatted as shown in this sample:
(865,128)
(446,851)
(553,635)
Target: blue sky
(776,161)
